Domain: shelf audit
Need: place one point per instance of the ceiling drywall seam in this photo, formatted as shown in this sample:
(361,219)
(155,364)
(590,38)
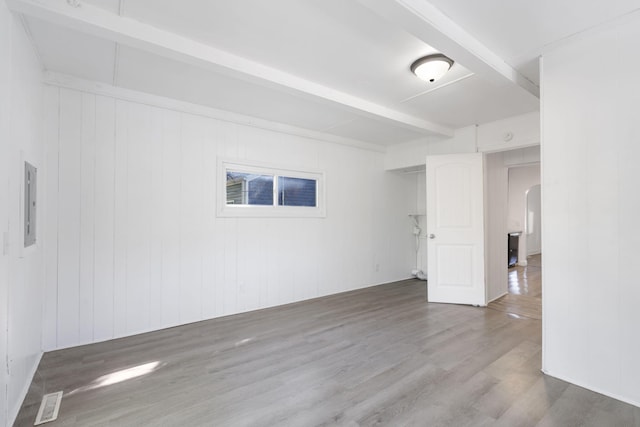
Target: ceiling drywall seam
(437,87)
(104,89)
(129,32)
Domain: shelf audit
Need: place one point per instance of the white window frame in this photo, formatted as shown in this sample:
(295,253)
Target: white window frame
(274,211)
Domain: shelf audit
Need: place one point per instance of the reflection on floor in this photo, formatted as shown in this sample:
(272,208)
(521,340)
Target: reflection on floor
(525,291)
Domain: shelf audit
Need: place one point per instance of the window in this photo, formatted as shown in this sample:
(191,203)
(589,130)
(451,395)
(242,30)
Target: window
(249,189)
(297,191)
(254,190)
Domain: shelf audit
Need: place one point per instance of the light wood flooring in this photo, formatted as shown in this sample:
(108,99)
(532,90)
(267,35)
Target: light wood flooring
(525,290)
(377,356)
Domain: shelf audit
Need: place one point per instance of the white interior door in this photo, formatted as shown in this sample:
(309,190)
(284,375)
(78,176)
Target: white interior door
(455,229)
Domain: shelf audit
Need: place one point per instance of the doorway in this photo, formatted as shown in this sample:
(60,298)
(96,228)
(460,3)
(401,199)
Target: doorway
(533,214)
(524,282)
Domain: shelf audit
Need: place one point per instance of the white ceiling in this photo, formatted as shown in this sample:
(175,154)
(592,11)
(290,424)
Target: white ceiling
(335,66)
(518,30)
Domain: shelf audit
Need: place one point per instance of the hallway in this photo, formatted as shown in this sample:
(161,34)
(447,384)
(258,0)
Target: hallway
(525,291)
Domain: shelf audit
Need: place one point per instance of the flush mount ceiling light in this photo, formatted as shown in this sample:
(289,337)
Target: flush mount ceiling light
(431,67)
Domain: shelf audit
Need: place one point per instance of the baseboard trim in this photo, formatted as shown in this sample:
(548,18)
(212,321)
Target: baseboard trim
(592,388)
(498,297)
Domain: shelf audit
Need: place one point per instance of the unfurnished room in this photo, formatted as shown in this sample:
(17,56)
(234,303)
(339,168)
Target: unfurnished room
(319,213)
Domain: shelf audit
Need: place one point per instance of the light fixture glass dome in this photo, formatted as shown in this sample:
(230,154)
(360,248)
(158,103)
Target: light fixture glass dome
(431,68)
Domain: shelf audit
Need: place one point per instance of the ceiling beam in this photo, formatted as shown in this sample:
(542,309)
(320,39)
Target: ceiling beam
(100,23)
(426,22)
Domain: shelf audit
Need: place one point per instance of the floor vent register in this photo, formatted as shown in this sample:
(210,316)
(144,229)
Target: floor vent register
(49,408)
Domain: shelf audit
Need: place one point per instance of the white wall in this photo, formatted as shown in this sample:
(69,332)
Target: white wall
(521,179)
(20,268)
(421,207)
(411,155)
(495,204)
(5,108)
(510,133)
(534,220)
(134,243)
(513,133)
(522,156)
(590,202)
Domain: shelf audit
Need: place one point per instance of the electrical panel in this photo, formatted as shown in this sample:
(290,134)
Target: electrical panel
(30,186)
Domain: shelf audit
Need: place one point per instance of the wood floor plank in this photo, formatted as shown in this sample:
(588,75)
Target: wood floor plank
(525,290)
(376,356)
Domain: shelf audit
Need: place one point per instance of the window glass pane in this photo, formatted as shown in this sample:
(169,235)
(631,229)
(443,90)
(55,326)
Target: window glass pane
(249,189)
(296,191)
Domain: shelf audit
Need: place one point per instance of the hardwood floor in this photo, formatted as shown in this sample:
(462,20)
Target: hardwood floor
(377,356)
(525,291)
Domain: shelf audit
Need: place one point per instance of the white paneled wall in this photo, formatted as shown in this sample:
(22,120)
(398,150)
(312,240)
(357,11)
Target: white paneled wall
(590,205)
(134,242)
(20,268)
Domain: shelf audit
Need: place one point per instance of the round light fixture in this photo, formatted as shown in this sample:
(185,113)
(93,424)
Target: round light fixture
(430,68)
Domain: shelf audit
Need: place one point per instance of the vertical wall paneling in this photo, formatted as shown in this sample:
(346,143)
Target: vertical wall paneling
(120,220)
(228,241)
(288,255)
(87,205)
(50,224)
(170,217)
(143,248)
(104,226)
(368,249)
(209,226)
(272,271)
(230,253)
(69,217)
(138,225)
(217,134)
(193,132)
(155,205)
(249,263)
